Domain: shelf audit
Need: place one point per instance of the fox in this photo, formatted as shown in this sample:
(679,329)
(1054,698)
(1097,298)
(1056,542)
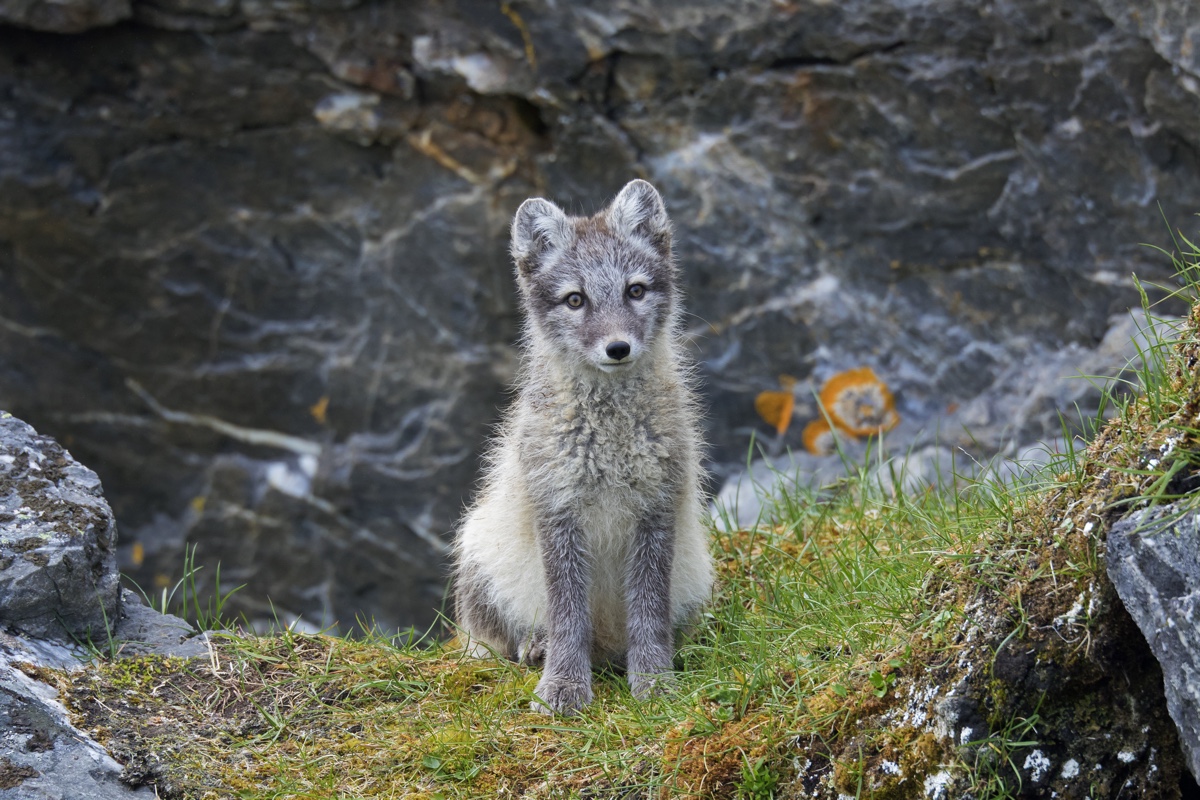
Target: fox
(587,543)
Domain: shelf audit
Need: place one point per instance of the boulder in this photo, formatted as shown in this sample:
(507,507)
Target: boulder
(1152,562)
(58,567)
(144,631)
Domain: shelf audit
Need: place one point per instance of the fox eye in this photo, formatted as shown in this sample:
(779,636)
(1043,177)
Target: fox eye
(574,300)
(636,292)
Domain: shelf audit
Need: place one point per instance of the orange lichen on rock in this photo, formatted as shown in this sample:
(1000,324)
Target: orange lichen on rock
(818,437)
(856,401)
(775,407)
(859,403)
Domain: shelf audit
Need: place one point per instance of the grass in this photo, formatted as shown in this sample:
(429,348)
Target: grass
(842,626)
(184,599)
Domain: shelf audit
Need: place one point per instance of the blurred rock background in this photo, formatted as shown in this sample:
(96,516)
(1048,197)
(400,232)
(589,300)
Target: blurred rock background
(253,257)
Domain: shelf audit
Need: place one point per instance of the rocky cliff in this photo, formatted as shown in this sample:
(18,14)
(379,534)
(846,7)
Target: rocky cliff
(252,253)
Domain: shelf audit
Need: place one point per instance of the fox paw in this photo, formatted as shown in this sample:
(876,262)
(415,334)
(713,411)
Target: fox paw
(561,696)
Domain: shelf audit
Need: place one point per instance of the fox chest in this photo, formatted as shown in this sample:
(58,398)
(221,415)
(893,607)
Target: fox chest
(593,455)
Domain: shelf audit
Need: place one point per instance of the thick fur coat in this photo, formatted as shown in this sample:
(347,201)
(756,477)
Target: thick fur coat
(587,541)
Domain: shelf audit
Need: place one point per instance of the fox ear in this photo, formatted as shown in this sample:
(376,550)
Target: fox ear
(538,227)
(639,211)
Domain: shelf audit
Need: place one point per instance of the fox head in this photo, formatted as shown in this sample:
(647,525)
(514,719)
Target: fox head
(600,290)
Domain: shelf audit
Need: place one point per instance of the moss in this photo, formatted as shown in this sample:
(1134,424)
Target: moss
(13,775)
(711,765)
(29,543)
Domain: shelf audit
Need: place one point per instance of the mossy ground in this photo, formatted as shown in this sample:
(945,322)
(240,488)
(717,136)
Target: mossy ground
(866,643)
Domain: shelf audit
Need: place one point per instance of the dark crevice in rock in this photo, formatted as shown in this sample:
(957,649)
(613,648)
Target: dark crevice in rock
(1188,788)
(811,61)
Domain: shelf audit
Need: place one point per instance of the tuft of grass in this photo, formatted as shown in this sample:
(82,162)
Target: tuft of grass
(187,600)
(808,675)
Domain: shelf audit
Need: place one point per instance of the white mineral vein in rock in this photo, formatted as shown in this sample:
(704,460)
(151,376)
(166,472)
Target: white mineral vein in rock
(292,482)
(348,111)
(257,436)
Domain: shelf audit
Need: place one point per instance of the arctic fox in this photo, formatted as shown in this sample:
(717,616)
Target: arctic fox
(587,539)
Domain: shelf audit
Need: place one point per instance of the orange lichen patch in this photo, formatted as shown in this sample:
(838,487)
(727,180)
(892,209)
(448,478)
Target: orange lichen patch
(859,403)
(775,407)
(818,437)
(320,410)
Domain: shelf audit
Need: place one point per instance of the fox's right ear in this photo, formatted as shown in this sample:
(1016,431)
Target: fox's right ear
(539,227)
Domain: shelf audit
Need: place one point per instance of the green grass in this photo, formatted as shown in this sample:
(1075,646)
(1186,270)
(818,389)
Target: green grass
(828,617)
(189,601)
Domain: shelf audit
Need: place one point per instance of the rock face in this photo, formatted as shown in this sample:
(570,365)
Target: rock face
(252,254)
(1153,565)
(58,564)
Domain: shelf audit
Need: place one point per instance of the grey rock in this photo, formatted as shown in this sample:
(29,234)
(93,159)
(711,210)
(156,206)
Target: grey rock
(1153,565)
(754,496)
(1173,28)
(280,325)
(761,494)
(1004,672)
(58,564)
(350,112)
(64,16)
(992,437)
(143,631)
(38,741)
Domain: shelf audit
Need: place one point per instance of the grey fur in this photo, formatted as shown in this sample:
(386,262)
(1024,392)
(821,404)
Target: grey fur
(587,542)
(474,609)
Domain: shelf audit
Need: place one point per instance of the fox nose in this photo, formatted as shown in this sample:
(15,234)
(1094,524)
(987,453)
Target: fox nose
(617,350)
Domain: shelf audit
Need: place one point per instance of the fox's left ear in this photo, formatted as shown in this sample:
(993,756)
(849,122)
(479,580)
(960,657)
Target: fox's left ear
(639,211)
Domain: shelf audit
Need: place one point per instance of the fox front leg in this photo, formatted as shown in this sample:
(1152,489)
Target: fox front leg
(648,601)
(566,684)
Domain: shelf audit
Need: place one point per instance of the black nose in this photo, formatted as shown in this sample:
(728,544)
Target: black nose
(617,350)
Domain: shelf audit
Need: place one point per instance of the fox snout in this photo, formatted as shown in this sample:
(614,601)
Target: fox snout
(617,353)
